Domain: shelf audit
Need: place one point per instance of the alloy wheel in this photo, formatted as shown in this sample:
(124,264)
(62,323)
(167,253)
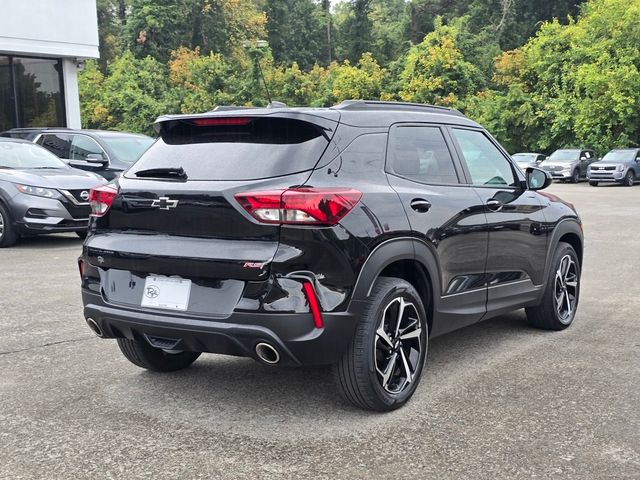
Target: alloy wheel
(398,345)
(1,226)
(566,289)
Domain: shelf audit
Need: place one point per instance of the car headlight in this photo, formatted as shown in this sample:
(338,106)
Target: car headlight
(620,168)
(38,191)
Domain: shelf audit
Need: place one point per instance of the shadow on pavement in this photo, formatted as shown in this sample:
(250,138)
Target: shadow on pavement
(44,242)
(240,395)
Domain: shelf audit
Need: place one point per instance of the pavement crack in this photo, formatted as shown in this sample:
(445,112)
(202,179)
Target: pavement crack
(50,344)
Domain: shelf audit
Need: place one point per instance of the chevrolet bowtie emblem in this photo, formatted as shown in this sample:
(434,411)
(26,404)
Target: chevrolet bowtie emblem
(164,203)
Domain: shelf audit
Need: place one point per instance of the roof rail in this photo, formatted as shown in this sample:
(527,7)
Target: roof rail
(355,105)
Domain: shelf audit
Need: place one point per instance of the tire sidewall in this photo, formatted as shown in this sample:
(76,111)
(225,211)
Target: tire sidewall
(629,178)
(406,291)
(562,250)
(9,236)
(575,177)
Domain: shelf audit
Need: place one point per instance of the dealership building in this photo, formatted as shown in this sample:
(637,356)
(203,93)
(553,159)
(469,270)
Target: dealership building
(43,44)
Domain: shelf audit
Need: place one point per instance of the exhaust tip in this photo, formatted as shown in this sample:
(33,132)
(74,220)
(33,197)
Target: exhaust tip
(93,325)
(267,353)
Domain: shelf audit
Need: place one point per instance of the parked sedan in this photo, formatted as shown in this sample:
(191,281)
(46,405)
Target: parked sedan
(103,152)
(569,164)
(39,193)
(617,166)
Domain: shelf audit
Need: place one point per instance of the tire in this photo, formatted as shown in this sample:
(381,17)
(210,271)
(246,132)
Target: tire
(558,309)
(145,356)
(575,176)
(629,179)
(362,374)
(82,235)
(593,184)
(8,232)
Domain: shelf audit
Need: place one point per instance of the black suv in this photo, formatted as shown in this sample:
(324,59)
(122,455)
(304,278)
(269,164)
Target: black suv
(103,152)
(348,235)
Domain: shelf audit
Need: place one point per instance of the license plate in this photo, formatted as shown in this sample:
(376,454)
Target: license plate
(171,293)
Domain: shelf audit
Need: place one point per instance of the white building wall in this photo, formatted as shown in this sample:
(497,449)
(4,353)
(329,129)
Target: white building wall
(56,28)
(63,29)
(71,95)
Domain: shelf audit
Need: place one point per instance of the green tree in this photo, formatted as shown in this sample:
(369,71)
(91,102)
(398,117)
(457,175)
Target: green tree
(296,30)
(157,27)
(129,98)
(354,29)
(363,81)
(435,71)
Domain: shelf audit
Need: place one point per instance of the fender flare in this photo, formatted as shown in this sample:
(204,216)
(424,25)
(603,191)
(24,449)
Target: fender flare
(392,251)
(568,225)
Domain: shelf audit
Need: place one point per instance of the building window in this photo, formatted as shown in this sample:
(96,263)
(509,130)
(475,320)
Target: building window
(31,92)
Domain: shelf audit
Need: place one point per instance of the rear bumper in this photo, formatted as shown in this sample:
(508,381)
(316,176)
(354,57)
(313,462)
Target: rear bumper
(293,335)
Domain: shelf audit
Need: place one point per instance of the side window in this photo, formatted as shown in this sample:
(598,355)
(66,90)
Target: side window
(58,144)
(364,155)
(421,154)
(486,163)
(638,156)
(81,146)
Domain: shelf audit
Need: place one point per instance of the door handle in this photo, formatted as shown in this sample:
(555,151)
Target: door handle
(420,205)
(494,205)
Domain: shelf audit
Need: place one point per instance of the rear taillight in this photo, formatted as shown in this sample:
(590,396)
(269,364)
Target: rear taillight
(100,199)
(300,206)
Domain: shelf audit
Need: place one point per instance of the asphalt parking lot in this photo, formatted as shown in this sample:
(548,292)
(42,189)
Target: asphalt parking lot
(498,400)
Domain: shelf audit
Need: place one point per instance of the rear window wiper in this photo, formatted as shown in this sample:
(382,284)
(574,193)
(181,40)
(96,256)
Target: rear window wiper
(163,173)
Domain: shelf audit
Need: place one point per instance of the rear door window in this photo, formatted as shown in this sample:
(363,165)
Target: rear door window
(236,148)
(420,153)
(83,146)
(58,144)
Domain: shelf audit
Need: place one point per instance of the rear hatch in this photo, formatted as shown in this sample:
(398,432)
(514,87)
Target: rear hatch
(175,211)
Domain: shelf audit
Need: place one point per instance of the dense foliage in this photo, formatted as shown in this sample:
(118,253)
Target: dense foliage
(538,74)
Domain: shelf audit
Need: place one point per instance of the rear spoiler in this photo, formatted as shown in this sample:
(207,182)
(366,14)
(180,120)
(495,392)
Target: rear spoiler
(325,119)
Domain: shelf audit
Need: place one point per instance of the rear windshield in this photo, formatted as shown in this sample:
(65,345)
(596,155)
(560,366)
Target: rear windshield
(238,148)
(127,148)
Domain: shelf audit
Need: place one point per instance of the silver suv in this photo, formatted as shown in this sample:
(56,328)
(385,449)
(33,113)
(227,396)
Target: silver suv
(619,166)
(569,164)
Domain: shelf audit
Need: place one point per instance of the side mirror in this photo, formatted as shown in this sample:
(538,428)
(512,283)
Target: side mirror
(96,158)
(538,179)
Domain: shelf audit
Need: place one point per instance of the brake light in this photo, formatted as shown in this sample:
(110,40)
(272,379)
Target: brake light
(100,199)
(212,122)
(300,206)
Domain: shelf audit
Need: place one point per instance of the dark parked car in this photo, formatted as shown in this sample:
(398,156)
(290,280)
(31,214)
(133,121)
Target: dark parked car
(569,164)
(617,166)
(525,160)
(103,152)
(39,193)
(348,235)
